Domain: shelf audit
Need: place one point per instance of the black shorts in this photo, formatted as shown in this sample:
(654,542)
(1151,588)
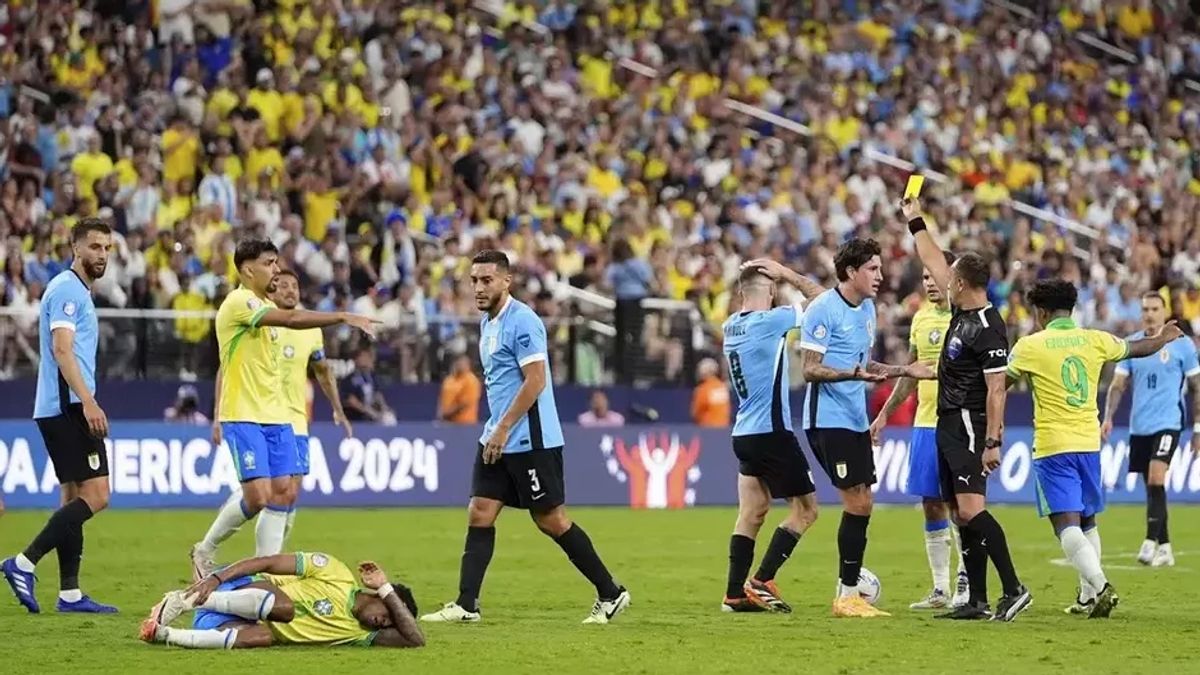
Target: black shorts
(846,456)
(77,455)
(1160,447)
(776,459)
(530,480)
(960,438)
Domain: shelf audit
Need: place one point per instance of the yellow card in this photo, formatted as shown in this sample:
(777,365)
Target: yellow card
(913,189)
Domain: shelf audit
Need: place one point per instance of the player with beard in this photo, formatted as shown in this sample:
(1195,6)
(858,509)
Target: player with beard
(71,421)
(520,457)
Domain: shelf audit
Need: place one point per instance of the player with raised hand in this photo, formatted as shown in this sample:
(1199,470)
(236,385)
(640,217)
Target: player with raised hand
(252,414)
(1155,423)
(71,421)
(972,393)
(770,461)
(292,599)
(520,457)
(836,342)
(1063,363)
(929,328)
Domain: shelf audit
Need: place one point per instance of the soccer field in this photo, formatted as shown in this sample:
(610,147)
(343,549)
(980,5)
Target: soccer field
(673,563)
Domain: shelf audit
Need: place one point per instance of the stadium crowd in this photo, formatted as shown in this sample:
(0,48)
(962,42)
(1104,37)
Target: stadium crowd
(379,144)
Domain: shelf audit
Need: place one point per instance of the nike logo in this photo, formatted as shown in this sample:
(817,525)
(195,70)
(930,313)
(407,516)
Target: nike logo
(965,479)
(539,496)
(849,562)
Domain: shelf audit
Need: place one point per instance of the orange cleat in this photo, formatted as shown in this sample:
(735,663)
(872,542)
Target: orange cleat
(768,593)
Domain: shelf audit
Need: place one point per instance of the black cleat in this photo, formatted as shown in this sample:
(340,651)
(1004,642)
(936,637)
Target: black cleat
(1011,605)
(746,603)
(968,612)
(1106,602)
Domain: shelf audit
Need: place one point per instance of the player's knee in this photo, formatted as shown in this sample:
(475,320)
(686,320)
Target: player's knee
(283,611)
(934,510)
(256,495)
(96,494)
(858,500)
(754,514)
(481,514)
(553,523)
(284,494)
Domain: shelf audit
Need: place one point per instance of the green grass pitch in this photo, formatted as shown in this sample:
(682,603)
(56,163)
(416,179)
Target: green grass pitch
(674,565)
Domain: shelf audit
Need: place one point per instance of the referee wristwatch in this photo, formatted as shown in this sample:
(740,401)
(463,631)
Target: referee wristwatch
(990,443)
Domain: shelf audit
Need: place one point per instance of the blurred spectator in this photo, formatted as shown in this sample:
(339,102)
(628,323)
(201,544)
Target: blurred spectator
(461,389)
(186,410)
(710,398)
(361,397)
(599,414)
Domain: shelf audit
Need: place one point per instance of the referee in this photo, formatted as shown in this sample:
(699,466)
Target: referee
(972,388)
(72,424)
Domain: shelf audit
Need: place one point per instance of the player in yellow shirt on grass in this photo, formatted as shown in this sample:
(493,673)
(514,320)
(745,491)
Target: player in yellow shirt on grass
(929,327)
(292,599)
(1063,364)
(251,412)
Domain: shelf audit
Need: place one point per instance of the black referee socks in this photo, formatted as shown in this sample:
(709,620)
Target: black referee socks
(63,530)
(783,542)
(477,554)
(986,528)
(1156,514)
(852,544)
(741,556)
(578,547)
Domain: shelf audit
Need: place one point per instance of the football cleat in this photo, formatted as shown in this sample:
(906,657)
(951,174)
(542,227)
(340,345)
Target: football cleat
(746,603)
(451,612)
(1163,557)
(935,600)
(1106,602)
(22,584)
(962,590)
(171,607)
(768,593)
(203,563)
(1011,605)
(605,611)
(84,605)
(968,612)
(151,631)
(854,606)
(1146,554)
(1080,606)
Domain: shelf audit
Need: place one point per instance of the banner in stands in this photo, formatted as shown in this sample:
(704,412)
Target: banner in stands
(157,465)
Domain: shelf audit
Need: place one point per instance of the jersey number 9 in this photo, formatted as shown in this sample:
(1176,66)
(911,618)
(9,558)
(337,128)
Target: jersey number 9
(1074,379)
(735,374)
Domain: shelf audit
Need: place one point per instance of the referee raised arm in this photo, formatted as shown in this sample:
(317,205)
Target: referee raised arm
(972,388)
(72,424)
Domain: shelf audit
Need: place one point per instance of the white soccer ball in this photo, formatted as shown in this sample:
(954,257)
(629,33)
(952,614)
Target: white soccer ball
(869,587)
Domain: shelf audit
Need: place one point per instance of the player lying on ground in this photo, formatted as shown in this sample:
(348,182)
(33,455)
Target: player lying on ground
(930,325)
(298,599)
(1063,363)
(770,462)
(1156,420)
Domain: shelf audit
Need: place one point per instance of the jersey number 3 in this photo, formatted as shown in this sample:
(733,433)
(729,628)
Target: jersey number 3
(1074,379)
(735,373)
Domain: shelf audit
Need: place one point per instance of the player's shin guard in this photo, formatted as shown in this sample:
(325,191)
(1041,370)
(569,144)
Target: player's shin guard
(477,555)
(1156,514)
(201,639)
(60,528)
(268,534)
(989,531)
(937,550)
(741,556)
(783,542)
(852,545)
(254,604)
(578,547)
(1086,592)
(975,559)
(291,521)
(1083,556)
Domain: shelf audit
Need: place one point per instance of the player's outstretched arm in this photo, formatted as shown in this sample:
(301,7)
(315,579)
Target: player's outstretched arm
(1152,343)
(815,370)
(303,318)
(927,247)
(774,270)
(1112,401)
(916,370)
(284,563)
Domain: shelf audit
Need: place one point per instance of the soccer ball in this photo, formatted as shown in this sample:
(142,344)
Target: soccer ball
(869,587)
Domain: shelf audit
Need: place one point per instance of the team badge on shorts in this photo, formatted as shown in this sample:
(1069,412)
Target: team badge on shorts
(248,460)
(840,468)
(94,461)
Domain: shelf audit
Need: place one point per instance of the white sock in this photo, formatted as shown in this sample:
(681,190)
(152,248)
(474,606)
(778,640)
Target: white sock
(249,603)
(200,639)
(291,520)
(24,564)
(229,520)
(845,591)
(1083,556)
(1086,592)
(937,549)
(268,534)
(72,595)
(962,569)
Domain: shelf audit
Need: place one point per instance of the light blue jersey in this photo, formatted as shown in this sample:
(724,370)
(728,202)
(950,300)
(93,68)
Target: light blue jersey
(1159,382)
(756,348)
(514,339)
(844,334)
(66,304)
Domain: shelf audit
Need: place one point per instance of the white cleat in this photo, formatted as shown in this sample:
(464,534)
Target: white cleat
(451,612)
(1146,554)
(203,563)
(605,611)
(1164,557)
(171,607)
(937,599)
(962,591)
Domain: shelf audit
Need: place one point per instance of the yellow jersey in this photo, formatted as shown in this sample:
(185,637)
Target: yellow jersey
(1063,364)
(296,349)
(323,591)
(929,326)
(250,390)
